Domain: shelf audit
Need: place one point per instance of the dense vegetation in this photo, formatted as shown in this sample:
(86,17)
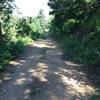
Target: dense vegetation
(17,32)
(76,24)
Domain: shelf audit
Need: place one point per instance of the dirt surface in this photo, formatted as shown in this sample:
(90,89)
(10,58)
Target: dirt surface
(40,73)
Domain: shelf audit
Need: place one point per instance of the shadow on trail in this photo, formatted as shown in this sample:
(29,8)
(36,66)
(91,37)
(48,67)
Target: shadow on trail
(40,74)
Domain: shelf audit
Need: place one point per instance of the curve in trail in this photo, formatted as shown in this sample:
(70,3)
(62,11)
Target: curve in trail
(41,74)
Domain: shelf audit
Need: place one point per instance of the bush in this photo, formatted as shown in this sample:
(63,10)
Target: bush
(71,47)
(35,35)
(11,49)
(90,51)
(70,26)
(17,33)
(86,52)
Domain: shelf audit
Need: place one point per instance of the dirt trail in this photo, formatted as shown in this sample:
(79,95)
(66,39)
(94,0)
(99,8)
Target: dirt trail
(40,73)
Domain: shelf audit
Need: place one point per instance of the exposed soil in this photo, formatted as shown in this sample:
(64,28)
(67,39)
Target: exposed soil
(40,73)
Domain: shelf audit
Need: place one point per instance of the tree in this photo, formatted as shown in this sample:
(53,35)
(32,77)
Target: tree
(42,19)
(80,10)
(79,19)
(6,9)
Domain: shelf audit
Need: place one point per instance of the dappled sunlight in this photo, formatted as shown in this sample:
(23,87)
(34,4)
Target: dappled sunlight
(26,93)
(54,57)
(7,78)
(72,73)
(15,63)
(20,81)
(31,71)
(36,57)
(71,63)
(42,65)
(42,73)
(76,81)
(50,46)
(40,45)
(76,87)
(45,43)
(22,61)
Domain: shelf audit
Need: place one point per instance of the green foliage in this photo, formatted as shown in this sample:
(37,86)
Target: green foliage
(69,26)
(76,25)
(71,47)
(33,27)
(9,50)
(17,46)
(16,33)
(23,27)
(90,51)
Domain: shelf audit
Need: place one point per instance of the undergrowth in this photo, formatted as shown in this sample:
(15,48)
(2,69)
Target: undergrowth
(9,50)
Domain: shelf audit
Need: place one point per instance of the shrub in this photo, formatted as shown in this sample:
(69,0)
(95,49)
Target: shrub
(11,49)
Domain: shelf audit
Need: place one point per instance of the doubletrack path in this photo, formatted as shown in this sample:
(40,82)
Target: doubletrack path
(40,73)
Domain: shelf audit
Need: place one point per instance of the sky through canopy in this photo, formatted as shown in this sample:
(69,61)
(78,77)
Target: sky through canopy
(32,7)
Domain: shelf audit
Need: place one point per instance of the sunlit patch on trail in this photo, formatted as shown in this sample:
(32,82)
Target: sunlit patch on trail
(20,81)
(44,44)
(22,61)
(14,63)
(71,63)
(43,68)
(27,91)
(40,72)
(76,87)
(7,78)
